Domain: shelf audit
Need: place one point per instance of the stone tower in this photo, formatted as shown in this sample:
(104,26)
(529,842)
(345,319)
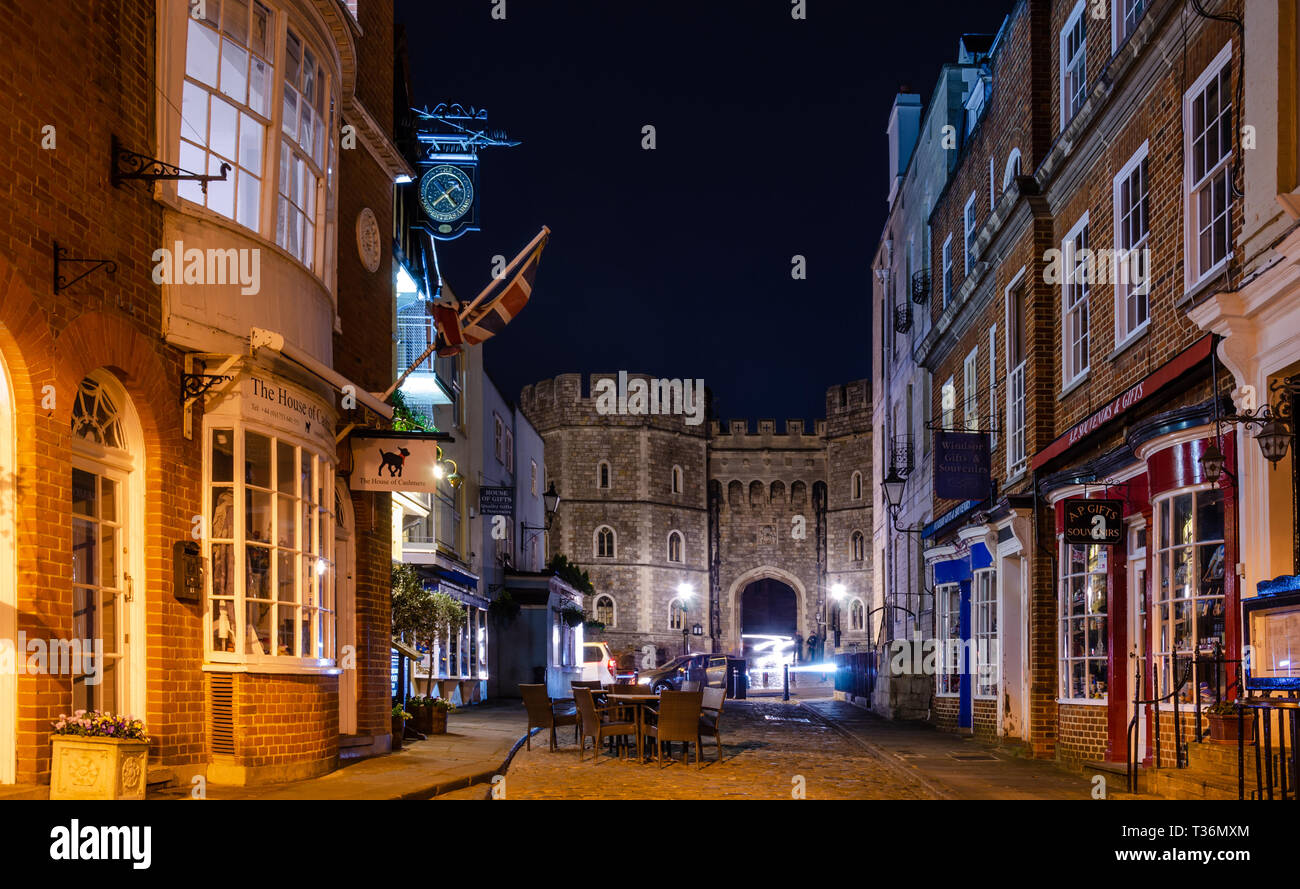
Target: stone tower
(749,508)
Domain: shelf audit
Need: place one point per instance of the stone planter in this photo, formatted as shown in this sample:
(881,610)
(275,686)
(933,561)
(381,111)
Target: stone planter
(98,768)
(1223,728)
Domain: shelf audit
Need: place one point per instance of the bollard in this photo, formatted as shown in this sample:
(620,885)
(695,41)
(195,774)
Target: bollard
(785,670)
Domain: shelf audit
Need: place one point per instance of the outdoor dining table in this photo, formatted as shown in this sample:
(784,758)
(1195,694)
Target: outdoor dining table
(639,702)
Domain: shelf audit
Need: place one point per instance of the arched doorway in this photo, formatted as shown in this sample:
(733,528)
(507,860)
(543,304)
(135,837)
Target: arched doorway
(767,625)
(8,583)
(107,526)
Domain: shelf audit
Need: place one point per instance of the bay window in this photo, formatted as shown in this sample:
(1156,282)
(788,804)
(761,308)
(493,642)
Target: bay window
(1084,672)
(1188,589)
(250,75)
(270,539)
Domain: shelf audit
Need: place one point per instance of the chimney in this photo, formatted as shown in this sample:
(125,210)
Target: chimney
(904,124)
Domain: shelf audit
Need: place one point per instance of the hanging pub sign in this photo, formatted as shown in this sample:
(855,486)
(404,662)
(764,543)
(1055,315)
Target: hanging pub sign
(1093,521)
(396,461)
(496,501)
(961,465)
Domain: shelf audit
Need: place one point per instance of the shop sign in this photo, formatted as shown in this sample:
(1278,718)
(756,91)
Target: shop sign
(1127,400)
(496,501)
(1095,522)
(961,465)
(280,405)
(395,462)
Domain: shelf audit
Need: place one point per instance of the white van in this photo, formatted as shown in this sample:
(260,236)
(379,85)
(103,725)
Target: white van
(598,663)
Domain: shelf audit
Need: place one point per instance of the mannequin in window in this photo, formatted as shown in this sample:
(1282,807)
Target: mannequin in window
(223,528)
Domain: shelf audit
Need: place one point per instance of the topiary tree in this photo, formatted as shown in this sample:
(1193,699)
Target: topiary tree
(420,615)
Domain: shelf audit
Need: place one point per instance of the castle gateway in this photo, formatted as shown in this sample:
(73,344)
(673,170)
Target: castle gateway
(702,538)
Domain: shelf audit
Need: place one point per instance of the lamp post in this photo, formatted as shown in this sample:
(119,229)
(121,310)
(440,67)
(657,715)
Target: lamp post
(893,485)
(685,592)
(550,502)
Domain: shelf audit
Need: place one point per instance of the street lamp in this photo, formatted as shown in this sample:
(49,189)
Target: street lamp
(551,502)
(838,591)
(893,487)
(685,592)
(1276,425)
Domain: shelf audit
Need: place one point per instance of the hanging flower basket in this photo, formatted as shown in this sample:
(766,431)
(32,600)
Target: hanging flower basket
(99,756)
(572,616)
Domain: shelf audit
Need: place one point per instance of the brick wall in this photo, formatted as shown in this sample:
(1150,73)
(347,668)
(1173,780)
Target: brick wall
(1082,735)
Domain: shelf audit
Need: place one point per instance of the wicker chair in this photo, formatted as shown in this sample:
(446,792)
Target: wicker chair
(711,716)
(542,713)
(677,719)
(597,725)
(690,685)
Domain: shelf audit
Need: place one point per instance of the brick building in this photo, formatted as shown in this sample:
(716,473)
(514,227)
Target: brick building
(243,615)
(675,520)
(1092,205)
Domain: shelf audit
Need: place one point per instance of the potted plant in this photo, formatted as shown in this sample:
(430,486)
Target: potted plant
(438,708)
(504,608)
(98,755)
(400,715)
(1223,724)
(573,615)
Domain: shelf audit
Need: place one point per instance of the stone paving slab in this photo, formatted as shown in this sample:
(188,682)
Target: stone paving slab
(477,743)
(766,744)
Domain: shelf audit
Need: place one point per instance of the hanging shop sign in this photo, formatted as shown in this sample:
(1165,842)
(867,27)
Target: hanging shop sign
(1098,522)
(496,501)
(961,465)
(1128,399)
(391,461)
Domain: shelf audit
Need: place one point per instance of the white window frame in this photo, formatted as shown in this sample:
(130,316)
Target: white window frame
(947,270)
(1191,189)
(533,477)
(1118,34)
(510,451)
(1075,20)
(1065,615)
(857,547)
(993,385)
(970,401)
(969,228)
(498,438)
(613,609)
(948,404)
(1017,451)
(947,680)
(984,634)
(1072,308)
(1124,290)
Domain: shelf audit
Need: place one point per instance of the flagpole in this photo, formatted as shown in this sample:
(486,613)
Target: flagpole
(523,255)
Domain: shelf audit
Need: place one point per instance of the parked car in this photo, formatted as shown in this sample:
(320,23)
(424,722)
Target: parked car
(598,663)
(706,669)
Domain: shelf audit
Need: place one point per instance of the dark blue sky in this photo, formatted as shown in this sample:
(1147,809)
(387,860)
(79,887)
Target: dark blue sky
(677,262)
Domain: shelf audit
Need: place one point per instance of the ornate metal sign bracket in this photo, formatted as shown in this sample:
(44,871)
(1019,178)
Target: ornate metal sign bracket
(127,164)
(61,257)
(196,386)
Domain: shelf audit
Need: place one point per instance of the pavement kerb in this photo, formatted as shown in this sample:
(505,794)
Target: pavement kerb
(477,778)
(883,755)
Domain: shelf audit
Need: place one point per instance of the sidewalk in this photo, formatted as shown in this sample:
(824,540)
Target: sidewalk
(958,766)
(478,741)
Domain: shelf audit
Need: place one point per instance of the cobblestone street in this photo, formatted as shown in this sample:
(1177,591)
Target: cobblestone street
(765,745)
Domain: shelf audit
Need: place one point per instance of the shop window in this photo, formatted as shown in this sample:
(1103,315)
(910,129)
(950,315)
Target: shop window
(984,631)
(1084,673)
(1207,125)
(1188,594)
(270,540)
(947,599)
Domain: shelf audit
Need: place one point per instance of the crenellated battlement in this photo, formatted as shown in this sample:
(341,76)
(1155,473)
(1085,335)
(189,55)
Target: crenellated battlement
(737,434)
(617,398)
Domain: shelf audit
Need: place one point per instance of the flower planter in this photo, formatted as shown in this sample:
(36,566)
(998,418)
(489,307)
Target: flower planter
(1223,728)
(399,729)
(437,721)
(98,768)
(423,719)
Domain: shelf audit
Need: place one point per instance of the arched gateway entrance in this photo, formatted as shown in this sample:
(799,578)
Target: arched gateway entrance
(767,611)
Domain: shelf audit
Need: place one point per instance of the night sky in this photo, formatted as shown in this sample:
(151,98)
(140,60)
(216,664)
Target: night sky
(677,262)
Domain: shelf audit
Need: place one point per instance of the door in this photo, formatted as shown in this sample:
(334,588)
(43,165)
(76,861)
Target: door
(1137,627)
(101,592)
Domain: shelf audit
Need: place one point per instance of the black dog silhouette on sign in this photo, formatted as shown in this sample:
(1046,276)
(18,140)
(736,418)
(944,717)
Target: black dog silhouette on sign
(393,462)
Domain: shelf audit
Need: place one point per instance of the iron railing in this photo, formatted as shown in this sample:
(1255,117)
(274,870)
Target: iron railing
(903,318)
(902,458)
(921,286)
(1131,737)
